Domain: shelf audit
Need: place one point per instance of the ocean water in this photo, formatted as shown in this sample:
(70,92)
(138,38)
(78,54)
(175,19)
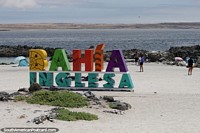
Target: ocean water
(147,39)
(69,39)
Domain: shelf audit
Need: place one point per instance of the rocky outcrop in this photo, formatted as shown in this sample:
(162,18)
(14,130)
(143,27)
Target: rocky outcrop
(166,56)
(105,101)
(150,56)
(4,96)
(198,62)
(193,51)
(14,51)
(50,116)
(34,87)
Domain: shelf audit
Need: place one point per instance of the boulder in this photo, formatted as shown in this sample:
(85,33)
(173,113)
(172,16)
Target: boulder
(120,105)
(50,115)
(23,90)
(114,111)
(89,94)
(53,88)
(34,87)
(108,98)
(198,62)
(4,96)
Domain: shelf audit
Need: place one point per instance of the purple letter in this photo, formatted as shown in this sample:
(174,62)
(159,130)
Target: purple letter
(117,60)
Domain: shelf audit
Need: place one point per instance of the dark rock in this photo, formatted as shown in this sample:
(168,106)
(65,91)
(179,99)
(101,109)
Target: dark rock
(119,112)
(154,56)
(23,90)
(40,119)
(108,98)
(18,93)
(198,62)
(127,105)
(14,51)
(185,51)
(4,96)
(89,94)
(14,94)
(4,63)
(53,88)
(91,47)
(120,105)
(22,116)
(50,116)
(34,87)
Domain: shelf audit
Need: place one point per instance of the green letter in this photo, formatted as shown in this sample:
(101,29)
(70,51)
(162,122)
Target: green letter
(60,60)
(63,80)
(92,79)
(33,78)
(46,79)
(126,81)
(78,80)
(110,82)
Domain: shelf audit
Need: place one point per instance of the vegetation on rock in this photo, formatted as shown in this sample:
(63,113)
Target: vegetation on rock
(58,98)
(66,115)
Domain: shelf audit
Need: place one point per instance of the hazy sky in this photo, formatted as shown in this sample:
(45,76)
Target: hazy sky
(99,11)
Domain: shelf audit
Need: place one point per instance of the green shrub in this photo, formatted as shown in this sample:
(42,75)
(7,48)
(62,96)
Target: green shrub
(20,98)
(58,98)
(66,115)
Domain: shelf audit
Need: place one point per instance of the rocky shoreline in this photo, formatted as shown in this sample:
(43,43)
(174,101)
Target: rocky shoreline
(19,50)
(151,56)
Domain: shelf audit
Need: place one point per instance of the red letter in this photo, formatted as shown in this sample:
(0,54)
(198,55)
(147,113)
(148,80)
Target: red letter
(88,60)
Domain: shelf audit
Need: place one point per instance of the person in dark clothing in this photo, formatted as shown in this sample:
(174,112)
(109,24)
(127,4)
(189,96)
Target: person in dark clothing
(141,61)
(136,58)
(190,66)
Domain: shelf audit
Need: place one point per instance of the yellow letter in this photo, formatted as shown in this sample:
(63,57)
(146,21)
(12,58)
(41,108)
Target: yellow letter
(38,61)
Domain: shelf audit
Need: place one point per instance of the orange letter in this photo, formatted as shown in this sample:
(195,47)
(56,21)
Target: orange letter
(99,60)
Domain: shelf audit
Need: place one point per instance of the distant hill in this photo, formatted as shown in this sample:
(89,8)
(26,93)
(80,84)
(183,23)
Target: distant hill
(7,27)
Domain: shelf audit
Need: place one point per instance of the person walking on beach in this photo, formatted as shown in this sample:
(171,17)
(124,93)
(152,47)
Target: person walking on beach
(136,58)
(141,61)
(190,66)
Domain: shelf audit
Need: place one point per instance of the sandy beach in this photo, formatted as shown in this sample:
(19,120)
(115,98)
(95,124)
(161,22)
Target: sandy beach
(165,100)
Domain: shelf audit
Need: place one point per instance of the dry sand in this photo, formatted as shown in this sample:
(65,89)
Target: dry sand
(166,100)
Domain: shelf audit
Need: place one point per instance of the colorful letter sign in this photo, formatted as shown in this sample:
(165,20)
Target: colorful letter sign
(78,79)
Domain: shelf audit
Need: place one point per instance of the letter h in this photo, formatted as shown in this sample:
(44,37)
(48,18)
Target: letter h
(78,59)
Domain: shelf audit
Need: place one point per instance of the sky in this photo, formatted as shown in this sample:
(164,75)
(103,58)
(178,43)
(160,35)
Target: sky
(99,11)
